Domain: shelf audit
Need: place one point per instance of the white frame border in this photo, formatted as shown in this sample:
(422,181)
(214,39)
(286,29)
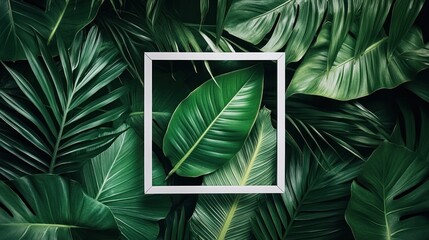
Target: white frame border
(281,130)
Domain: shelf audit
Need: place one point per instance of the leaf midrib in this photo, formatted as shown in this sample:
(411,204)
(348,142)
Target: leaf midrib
(269,11)
(47,225)
(106,179)
(57,24)
(231,213)
(189,152)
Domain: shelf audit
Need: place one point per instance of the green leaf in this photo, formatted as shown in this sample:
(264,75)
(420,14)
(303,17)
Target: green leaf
(167,93)
(178,228)
(216,119)
(222,7)
(227,216)
(404,14)
(52,207)
(414,124)
(353,76)
(131,36)
(342,13)
(388,199)
(313,204)
(204,9)
(67,108)
(20,20)
(321,124)
(69,17)
(297,24)
(115,178)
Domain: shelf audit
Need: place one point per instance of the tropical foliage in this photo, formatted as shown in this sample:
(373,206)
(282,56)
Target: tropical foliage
(71,119)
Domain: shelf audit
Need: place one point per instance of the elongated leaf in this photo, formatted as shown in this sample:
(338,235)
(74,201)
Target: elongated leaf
(313,204)
(298,21)
(404,14)
(167,93)
(51,207)
(115,178)
(177,229)
(388,198)
(354,76)
(67,109)
(19,20)
(227,216)
(69,17)
(409,131)
(343,13)
(215,119)
(320,124)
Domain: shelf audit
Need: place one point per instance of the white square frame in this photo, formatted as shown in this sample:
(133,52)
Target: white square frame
(281,130)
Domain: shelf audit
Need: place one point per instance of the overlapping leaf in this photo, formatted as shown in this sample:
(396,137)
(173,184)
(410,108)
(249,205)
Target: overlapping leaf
(216,119)
(320,124)
(51,207)
(313,204)
(227,216)
(364,64)
(388,199)
(66,109)
(19,20)
(297,23)
(115,178)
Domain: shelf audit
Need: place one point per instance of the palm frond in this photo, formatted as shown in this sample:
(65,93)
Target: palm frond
(313,204)
(67,107)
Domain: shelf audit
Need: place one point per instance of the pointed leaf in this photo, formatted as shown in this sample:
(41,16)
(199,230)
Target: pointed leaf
(51,207)
(227,216)
(115,178)
(215,120)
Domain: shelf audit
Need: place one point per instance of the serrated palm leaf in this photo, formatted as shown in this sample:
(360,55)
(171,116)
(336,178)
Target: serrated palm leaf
(313,204)
(227,216)
(67,106)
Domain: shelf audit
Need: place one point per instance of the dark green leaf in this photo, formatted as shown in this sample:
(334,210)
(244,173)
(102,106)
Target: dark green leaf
(353,76)
(51,207)
(65,107)
(313,204)
(388,199)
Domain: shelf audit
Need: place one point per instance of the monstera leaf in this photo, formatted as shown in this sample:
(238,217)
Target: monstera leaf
(216,119)
(227,216)
(364,64)
(115,178)
(19,20)
(66,108)
(51,207)
(291,22)
(389,198)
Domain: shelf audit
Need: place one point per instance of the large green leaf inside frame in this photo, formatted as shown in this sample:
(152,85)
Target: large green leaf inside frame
(210,125)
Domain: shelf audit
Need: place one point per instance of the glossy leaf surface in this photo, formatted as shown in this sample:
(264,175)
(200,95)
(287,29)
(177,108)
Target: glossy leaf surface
(51,207)
(209,126)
